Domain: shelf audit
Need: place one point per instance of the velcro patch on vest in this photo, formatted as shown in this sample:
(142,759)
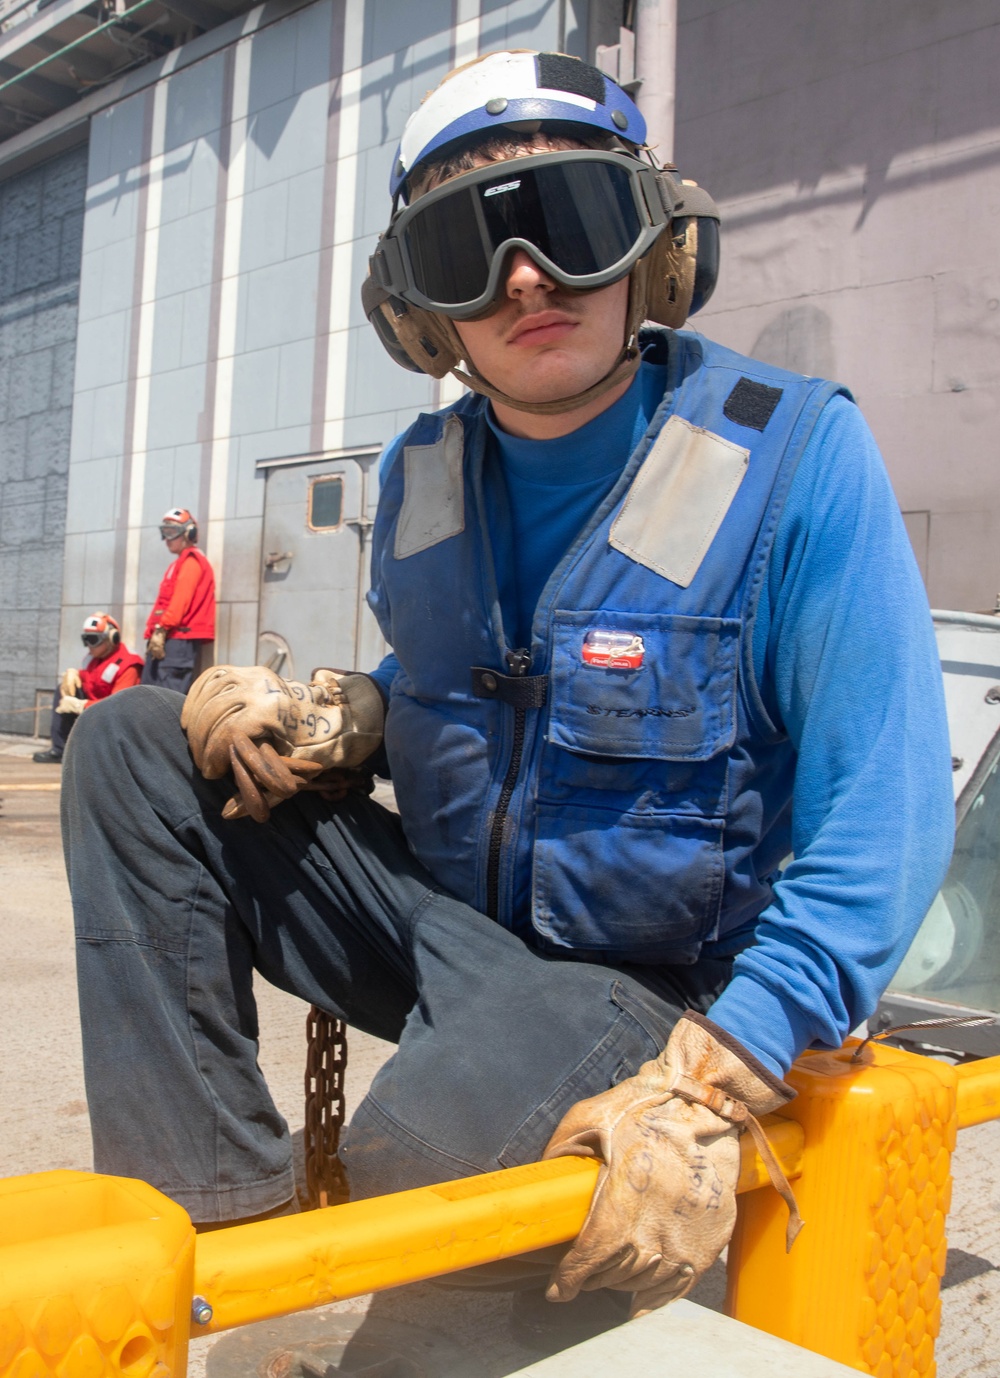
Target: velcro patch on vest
(751,404)
(678,500)
(434,493)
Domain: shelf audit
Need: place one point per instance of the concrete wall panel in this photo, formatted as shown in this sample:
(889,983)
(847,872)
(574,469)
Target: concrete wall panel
(74,566)
(102,351)
(272,74)
(194,109)
(116,139)
(243,557)
(106,281)
(153,561)
(111,214)
(304,213)
(96,587)
(194,338)
(265,225)
(175,407)
(40,245)
(281,302)
(856,153)
(967,330)
(246,498)
(185,253)
(287,138)
(520,24)
(264,444)
(239,645)
(295,384)
(391,28)
(312,48)
(255,391)
(938,448)
(93,494)
(104,440)
(960,583)
(169,334)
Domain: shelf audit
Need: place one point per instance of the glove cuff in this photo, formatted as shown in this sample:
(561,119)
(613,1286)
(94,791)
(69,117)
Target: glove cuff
(704,1050)
(363,705)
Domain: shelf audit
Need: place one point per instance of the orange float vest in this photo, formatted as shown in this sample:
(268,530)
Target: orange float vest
(199,619)
(98,676)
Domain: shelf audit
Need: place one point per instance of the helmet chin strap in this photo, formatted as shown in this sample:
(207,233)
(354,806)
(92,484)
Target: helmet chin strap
(625,366)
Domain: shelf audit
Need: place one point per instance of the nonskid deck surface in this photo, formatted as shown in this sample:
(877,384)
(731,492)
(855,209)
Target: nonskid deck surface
(45,1126)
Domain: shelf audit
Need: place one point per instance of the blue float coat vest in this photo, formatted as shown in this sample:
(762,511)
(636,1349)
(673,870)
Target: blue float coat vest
(635,811)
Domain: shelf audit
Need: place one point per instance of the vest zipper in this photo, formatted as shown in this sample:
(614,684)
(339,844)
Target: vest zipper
(518,664)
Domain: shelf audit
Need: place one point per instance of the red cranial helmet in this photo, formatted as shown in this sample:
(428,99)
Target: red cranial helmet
(178,522)
(98,627)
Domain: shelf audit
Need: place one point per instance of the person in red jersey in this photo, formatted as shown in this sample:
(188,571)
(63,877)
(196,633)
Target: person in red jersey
(109,667)
(183,617)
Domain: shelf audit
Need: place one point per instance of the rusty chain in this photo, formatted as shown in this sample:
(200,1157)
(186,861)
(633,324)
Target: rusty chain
(326,1065)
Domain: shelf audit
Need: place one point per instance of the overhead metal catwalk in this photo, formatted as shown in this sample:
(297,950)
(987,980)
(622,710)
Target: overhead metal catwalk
(53,53)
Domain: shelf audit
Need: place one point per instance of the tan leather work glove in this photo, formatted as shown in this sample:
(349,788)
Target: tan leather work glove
(280,736)
(70,682)
(665,1202)
(69,703)
(157,643)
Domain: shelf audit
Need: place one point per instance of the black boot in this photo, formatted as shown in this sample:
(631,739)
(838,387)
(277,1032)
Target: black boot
(48,757)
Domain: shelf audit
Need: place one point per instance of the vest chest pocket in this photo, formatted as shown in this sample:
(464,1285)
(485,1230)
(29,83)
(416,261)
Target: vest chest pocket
(652,686)
(630,818)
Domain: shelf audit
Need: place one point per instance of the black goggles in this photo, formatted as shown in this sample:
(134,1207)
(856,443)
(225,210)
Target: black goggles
(170,533)
(92,638)
(585,217)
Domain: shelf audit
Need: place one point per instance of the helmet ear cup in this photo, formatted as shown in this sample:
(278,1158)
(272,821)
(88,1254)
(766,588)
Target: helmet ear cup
(684,261)
(417,340)
(683,270)
(114,636)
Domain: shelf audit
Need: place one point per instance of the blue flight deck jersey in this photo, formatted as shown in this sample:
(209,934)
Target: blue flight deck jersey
(787,698)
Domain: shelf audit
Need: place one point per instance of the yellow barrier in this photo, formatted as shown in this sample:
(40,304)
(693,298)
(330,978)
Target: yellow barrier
(100,1277)
(96,1276)
(862,1283)
(255,1271)
(978,1092)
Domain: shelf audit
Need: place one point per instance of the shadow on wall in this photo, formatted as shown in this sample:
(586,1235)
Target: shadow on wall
(799,339)
(771,94)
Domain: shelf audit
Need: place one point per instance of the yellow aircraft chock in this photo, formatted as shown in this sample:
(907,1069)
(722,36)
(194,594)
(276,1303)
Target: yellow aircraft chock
(104,1277)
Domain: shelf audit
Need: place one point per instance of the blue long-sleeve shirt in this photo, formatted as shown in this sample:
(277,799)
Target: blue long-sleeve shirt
(845,660)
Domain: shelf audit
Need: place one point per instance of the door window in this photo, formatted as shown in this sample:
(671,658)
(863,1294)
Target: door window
(326,503)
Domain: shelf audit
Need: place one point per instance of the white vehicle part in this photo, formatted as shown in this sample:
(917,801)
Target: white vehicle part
(685,1339)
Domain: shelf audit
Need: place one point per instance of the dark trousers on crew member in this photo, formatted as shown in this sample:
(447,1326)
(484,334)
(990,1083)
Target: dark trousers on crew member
(175,909)
(61,726)
(177,668)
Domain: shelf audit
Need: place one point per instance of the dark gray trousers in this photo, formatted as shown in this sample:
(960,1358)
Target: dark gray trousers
(175,909)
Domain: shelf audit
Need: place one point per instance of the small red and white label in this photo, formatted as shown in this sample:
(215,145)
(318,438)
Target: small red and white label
(612,650)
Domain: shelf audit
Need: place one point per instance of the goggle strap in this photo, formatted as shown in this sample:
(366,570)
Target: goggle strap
(625,366)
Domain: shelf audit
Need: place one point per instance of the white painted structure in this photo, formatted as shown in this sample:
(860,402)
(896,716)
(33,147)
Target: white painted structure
(685,1339)
(235,187)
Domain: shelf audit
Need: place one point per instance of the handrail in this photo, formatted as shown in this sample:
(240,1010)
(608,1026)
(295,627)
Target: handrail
(988,621)
(108,1272)
(978,1091)
(256,1272)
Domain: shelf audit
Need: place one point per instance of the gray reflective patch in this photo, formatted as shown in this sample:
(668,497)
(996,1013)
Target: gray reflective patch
(678,500)
(434,492)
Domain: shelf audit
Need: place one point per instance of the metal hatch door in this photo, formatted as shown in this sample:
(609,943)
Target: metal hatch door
(318,515)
